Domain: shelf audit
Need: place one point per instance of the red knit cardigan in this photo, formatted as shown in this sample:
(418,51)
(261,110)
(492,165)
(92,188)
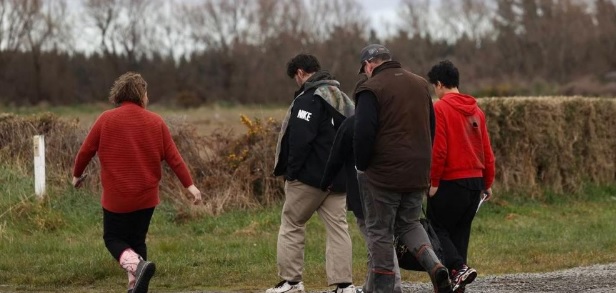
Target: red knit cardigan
(131,143)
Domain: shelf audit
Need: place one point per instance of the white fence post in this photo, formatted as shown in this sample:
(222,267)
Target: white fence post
(39,165)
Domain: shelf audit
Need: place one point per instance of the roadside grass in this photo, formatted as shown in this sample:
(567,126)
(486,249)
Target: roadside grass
(55,244)
(525,235)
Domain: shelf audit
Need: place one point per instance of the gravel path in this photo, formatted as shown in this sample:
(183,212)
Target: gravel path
(594,279)
(591,279)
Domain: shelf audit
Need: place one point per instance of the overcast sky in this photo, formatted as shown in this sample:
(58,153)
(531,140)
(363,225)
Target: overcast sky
(382,13)
(377,9)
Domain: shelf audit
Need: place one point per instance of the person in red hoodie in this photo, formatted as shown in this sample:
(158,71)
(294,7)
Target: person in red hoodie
(462,170)
(131,143)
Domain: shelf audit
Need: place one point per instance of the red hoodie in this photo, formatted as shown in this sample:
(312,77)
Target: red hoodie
(461,145)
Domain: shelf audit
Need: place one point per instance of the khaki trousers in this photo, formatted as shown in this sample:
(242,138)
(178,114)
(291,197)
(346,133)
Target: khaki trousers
(301,201)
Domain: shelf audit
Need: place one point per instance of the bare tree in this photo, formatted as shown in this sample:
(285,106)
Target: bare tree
(135,33)
(416,19)
(12,26)
(605,31)
(326,16)
(170,38)
(104,14)
(220,27)
(272,18)
(217,24)
(12,32)
(469,18)
(336,24)
(126,27)
(45,28)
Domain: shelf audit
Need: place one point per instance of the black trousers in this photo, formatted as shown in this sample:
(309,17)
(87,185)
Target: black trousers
(451,212)
(126,230)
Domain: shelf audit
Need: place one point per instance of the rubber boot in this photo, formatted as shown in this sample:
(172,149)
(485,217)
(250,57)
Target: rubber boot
(367,288)
(438,273)
(383,283)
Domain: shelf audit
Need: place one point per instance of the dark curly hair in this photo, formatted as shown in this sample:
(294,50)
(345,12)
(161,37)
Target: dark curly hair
(129,87)
(305,62)
(446,73)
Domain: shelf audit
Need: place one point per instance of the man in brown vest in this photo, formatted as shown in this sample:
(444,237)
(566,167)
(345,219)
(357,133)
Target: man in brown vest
(394,128)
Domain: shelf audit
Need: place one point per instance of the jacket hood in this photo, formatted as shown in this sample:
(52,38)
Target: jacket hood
(464,104)
(320,78)
(317,79)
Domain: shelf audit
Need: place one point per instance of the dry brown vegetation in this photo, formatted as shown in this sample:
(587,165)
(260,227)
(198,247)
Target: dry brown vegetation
(62,141)
(553,144)
(233,171)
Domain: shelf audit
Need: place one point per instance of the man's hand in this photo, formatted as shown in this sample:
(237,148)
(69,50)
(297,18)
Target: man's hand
(432,191)
(196,194)
(488,193)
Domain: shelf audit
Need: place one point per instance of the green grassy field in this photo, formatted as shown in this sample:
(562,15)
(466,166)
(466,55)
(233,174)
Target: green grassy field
(56,244)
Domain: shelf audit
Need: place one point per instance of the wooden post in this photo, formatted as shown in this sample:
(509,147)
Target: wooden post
(39,165)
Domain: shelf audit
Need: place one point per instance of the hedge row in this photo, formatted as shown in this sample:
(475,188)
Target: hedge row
(554,144)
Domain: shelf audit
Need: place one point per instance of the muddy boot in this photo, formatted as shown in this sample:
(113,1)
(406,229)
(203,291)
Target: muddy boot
(440,280)
(383,283)
(438,273)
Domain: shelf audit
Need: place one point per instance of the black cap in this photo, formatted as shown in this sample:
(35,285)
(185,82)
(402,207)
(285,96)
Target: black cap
(369,52)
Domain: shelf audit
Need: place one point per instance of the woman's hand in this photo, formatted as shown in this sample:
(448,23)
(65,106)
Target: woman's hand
(196,194)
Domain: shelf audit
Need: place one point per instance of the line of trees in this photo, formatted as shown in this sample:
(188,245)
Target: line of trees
(235,51)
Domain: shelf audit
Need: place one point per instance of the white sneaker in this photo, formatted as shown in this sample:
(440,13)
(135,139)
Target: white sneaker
(285,287)
(349,289)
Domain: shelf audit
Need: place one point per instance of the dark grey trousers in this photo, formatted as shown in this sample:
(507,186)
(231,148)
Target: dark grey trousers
(369,286)
(387,212)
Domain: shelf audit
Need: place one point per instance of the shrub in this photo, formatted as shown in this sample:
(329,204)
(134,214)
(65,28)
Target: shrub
(552,144)
(231,171)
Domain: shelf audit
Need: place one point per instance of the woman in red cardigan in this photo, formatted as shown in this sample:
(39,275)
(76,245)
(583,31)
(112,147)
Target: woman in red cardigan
(462,170)
(131,143)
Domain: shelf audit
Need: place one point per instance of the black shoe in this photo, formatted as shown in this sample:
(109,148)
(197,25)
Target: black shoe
(145,271)
(442,284)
